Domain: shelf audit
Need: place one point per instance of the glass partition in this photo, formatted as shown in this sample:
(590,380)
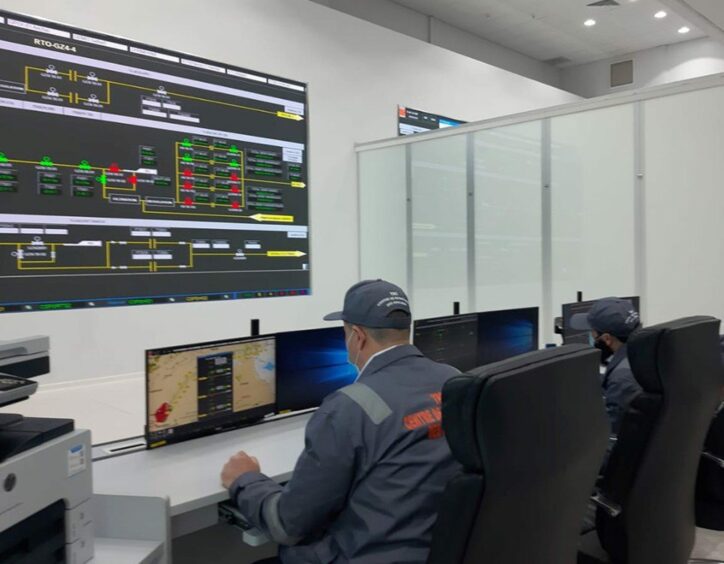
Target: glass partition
(592,205)
(617,199)
(684,144)
(508,226)
(383,215)
(439,226)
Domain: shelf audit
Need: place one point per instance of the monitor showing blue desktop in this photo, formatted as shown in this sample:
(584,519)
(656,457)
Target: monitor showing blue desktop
(506,333)
(310,366)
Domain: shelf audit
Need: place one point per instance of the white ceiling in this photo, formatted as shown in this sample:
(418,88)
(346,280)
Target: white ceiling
(548,29)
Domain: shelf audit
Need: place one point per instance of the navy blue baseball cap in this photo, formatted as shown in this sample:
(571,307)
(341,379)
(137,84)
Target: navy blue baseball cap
(369,304)
(614,316)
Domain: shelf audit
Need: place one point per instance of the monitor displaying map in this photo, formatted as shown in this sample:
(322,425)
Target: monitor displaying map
(200,389)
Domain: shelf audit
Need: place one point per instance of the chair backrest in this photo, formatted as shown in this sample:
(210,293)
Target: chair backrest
(652,468)
(531,433)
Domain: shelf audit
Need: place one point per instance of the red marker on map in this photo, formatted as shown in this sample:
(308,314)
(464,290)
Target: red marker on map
(162,413)
(235,189)
(188,201)
(188,185)
(133,180)
(187,172)
(234,176)
(114,167)
(235,205)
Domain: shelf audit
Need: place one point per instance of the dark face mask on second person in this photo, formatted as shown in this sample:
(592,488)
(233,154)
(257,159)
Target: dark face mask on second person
(601,345)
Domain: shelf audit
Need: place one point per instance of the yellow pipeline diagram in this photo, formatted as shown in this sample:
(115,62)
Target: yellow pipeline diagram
(104,174)
(73,76)
(44,256)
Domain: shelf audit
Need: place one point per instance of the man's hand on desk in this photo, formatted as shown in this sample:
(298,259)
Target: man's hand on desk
(240,463)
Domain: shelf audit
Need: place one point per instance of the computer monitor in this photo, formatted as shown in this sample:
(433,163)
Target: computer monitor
(311,365)
(451,340)
(572,336)
(506,333)
(194,390)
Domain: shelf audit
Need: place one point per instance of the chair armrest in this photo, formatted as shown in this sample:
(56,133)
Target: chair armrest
(613,509)
(715,459)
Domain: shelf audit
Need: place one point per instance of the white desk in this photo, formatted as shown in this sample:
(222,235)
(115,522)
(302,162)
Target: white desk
(113,408)
(189,473)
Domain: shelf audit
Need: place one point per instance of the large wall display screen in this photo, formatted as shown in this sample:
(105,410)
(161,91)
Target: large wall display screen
(131,174)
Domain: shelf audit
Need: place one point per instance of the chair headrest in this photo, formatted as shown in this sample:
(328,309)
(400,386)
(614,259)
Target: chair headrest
(688,340)
(470,397)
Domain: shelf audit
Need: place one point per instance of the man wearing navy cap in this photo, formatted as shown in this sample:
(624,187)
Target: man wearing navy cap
(611,322)
(375,462)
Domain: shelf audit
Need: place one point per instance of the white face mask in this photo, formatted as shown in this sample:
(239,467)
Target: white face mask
(353,363)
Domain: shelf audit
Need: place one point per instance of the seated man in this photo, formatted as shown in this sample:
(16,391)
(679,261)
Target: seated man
(366,487)
(611,322)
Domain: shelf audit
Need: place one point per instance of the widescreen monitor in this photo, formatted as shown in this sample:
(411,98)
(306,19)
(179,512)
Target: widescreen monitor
(311,365)
(506,333)
(195,390)
(451,340)
(411,121)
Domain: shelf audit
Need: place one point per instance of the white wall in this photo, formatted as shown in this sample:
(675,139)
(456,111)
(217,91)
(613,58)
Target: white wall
(421,26)
(652,67)
(357,74)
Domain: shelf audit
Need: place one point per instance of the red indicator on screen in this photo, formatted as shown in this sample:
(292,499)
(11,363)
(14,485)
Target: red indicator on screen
(114,167)
(235,205)
(187,172)
(188,201)
(162,413)
(133,180)
(234,177)
(188,185)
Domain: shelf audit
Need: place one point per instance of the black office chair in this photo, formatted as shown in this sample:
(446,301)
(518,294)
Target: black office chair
(710,479)
(646,497)
(530,433)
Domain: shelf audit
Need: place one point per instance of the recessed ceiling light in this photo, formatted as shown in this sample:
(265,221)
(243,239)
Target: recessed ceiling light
(684,29)
(589,23)
(660,15)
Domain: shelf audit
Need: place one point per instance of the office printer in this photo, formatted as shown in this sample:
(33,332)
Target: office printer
(45,470)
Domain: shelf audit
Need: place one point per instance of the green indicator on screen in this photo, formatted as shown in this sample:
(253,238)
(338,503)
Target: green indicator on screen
(186,142)
(46,161)
(44,307)
(84,165)
(140,302)
(3,158)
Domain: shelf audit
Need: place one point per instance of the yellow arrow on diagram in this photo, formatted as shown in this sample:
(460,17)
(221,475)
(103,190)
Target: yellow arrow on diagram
(285,254)
(287,115)
(269,217)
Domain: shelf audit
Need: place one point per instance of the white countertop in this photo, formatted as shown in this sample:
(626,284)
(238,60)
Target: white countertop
(111,408)
(189,473)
